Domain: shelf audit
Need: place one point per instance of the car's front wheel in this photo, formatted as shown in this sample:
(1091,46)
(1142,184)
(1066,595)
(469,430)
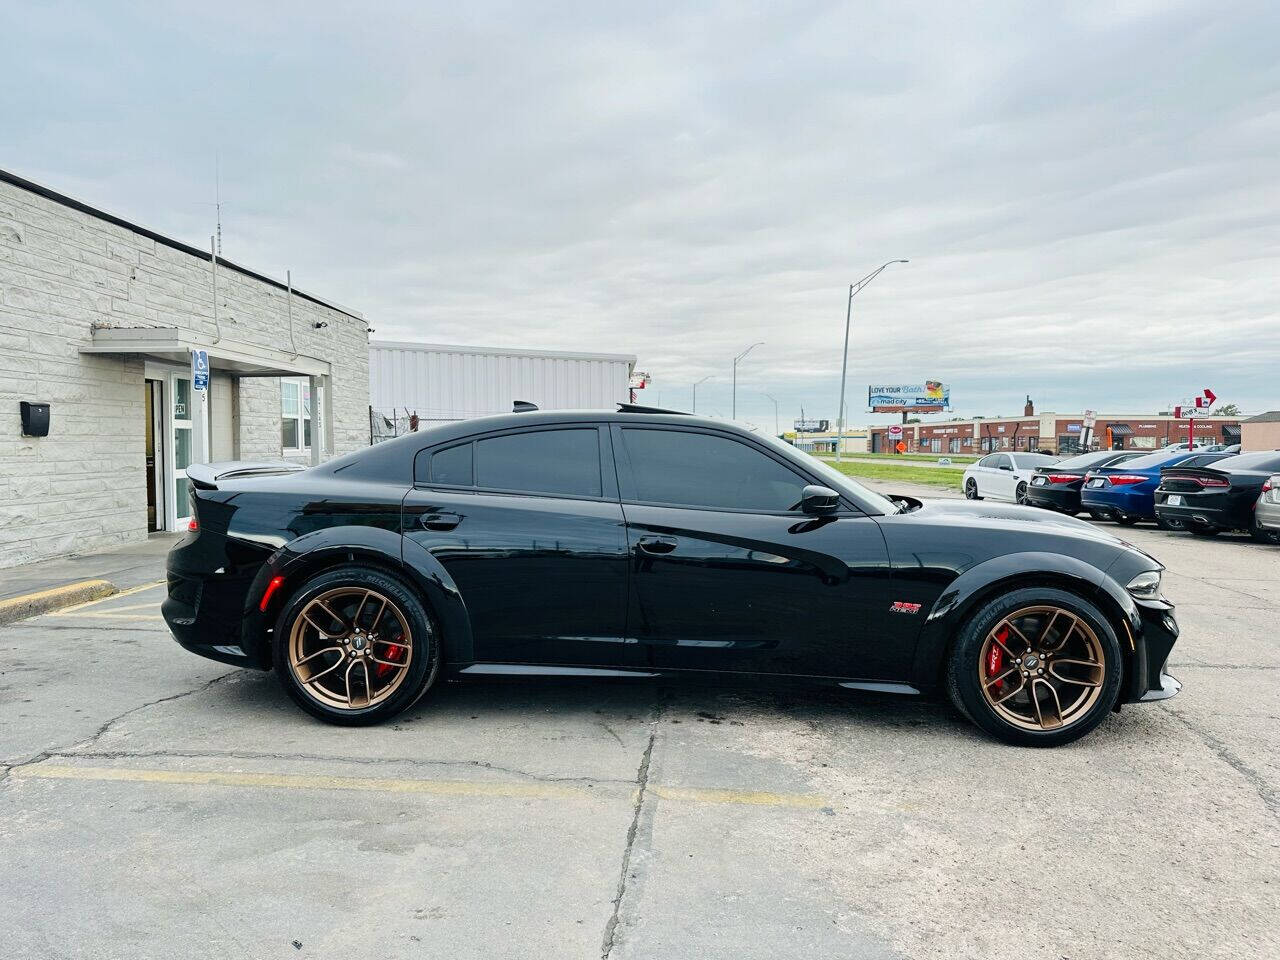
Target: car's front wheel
(355,646)
(1037,666)
(971,489)
(1021,494)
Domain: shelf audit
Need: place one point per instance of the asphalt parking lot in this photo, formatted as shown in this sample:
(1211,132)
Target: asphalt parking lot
(153,804)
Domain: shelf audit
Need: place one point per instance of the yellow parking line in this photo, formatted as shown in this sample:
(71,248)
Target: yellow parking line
(456,788)
(114,596)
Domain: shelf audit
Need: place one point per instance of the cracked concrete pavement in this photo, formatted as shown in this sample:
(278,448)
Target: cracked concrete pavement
(153,804)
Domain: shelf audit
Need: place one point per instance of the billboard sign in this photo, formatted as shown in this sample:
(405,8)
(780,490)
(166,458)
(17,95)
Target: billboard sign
(930,396)
(639,380)
(813,426)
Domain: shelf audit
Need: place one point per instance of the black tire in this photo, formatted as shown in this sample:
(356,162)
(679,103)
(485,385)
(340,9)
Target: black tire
(964,664)
(1202,531)
(1020,494)
(1173,524)
(1127,521)
(1262,535)
(971,489)
(423,667)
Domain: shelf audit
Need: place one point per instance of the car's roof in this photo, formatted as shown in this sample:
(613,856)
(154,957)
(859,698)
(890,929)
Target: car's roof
(388,451)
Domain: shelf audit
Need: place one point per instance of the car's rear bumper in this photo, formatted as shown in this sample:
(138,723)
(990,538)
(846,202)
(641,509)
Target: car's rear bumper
(1267,515)
(1054,497)
(205,611)
(1118,502)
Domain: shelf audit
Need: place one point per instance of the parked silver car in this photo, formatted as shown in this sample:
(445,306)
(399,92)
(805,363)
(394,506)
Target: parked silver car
(1266,513)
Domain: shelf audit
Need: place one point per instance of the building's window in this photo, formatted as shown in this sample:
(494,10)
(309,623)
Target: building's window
(295,414)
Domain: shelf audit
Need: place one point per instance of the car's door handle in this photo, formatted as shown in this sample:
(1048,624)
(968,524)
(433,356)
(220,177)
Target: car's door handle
(658,545)
(440,521)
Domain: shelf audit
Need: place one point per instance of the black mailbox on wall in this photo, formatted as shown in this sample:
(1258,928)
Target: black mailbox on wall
(35,419)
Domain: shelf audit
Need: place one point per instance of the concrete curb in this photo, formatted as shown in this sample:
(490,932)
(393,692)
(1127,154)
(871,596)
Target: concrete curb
(45,601)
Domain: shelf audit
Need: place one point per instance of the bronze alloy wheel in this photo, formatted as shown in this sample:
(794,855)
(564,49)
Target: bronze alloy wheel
(350,648)
(1041,668)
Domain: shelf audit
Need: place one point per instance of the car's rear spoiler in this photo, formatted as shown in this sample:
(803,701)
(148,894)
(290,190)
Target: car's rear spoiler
(206,475)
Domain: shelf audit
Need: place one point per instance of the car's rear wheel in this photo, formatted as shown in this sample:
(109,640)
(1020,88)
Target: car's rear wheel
(1038,666)
(1021,494)
(971,489)
(1263,535)
(355,646)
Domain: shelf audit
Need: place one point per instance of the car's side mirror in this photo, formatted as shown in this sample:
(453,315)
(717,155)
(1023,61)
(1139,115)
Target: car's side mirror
(816,500)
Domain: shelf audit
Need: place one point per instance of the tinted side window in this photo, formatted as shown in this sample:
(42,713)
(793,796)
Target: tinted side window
(562,462)
(703,470)
(452,466)
(1002,460)
(989,462)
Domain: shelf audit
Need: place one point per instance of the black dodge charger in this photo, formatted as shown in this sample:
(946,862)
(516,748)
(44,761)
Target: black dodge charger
(649,543)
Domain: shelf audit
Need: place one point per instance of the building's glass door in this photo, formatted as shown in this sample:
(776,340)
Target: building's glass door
(155,454)
(182,446)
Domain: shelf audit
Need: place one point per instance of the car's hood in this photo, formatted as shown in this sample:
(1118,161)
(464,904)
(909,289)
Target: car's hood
(988,514)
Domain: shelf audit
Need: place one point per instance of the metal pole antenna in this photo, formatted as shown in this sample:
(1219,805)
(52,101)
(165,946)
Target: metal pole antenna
(854,290)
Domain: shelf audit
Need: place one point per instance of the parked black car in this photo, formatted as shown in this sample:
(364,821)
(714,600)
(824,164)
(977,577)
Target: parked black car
(646,543)
(1211,499)
(1057,486)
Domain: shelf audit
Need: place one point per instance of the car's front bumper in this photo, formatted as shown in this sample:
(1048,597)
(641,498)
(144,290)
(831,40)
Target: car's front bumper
(1151,644)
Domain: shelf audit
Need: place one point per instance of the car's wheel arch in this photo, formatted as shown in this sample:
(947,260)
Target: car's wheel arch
(1000,575)
(302,559)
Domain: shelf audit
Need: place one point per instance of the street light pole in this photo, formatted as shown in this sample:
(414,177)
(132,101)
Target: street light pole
(854,290)
(776,431)
(734,413)
(695,392)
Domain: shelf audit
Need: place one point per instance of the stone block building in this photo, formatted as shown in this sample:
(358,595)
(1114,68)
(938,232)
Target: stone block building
(99,318)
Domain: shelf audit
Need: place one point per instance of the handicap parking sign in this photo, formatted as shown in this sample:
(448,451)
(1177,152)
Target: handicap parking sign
(200,369)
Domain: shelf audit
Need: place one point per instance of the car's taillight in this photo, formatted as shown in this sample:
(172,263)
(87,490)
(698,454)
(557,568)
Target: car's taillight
(1063,478)
(1266,486)
(193,525)
(1211,481)
(1124,479)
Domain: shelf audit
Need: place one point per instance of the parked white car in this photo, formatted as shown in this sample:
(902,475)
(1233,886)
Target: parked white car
(1003,476)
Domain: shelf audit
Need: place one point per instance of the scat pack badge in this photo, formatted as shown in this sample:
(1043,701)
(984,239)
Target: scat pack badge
(902,606)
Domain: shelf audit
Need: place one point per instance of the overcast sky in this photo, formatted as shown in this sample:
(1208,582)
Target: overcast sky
(1088,192)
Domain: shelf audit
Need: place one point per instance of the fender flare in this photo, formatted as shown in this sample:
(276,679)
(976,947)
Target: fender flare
(298,559)
(1003,573)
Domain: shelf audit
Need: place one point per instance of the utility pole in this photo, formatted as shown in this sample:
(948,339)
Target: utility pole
(695,392)
(854,290)
(734,414)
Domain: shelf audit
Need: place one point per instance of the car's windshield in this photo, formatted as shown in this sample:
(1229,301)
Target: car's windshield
(1034,459)
(1262,460)
(868,500)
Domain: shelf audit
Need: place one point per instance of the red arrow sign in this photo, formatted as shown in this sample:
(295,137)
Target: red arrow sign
(1209,397)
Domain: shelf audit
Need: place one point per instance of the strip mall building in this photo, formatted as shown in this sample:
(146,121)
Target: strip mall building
(1059,433)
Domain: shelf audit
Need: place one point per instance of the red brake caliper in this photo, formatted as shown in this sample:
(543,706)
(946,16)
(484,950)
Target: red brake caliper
(394,652)
(995,658)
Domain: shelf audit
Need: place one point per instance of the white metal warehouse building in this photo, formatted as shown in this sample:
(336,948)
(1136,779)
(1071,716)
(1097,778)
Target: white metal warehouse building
(443,383)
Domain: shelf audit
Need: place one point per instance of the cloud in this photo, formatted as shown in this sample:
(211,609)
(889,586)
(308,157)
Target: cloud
(1086,193)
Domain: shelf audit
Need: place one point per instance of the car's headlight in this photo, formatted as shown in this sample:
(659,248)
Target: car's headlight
(1145,586)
